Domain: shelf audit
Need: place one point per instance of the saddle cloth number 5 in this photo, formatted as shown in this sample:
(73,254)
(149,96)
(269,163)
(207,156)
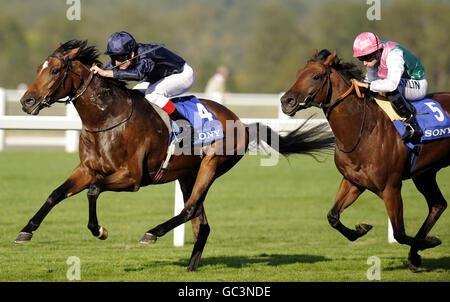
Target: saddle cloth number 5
(439,116)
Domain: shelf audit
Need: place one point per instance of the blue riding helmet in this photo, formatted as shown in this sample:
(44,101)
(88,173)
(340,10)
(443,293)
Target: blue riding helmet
(120,43)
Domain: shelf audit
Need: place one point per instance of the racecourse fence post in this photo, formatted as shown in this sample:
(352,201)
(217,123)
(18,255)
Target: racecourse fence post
(2,113)
(178,232)
(71,144)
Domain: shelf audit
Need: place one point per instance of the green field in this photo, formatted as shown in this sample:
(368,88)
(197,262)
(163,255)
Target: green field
(267,224)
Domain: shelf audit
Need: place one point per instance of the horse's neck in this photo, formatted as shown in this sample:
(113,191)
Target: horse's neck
(348,117)
(100,106)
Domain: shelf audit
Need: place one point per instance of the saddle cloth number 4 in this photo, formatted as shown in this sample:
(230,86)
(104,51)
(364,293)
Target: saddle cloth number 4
(203,112)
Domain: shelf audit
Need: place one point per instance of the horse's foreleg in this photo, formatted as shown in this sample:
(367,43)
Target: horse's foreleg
(118,181)
(96,230)
(78,181)
(347,194)
(394,205)
(437,204)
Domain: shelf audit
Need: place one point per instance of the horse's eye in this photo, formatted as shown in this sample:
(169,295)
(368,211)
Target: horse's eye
(55,71)
(317,76)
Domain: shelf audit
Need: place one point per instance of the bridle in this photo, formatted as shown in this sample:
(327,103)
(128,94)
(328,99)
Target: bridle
(328,106)
(308,100)
(49,98)
(68,63)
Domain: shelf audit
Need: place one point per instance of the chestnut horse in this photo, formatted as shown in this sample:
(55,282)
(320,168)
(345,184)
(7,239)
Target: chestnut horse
(369,151)
(124,140)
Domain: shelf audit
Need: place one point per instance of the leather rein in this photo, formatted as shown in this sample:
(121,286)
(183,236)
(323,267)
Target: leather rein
(328,106)
(49,97)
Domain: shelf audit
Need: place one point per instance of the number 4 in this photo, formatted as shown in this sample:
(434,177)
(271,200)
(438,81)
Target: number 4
(203,112)
(439,116)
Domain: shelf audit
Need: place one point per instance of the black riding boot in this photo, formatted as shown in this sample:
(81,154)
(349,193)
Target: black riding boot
(176,116)
(413,133)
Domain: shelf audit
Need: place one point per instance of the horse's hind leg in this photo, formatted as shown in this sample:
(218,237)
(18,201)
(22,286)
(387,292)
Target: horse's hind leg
(347,194)
(193,208)
(78,181)
(201,230)
(200,225)
(427,185)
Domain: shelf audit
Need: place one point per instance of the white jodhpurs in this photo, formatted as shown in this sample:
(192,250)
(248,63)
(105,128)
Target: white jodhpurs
(173,85)
(413,90)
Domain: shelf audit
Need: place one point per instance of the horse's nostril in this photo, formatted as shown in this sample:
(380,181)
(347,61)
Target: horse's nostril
(289,101)
(30,102)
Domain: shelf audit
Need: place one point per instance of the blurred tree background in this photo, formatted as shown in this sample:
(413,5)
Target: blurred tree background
(263,42)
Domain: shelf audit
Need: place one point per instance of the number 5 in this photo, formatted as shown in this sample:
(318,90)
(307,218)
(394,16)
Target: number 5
(439,116)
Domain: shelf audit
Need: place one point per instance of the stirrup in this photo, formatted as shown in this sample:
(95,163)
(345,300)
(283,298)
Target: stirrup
(193,135)
(411,135)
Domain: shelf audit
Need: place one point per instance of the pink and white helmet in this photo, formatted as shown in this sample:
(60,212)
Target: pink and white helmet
(365,44)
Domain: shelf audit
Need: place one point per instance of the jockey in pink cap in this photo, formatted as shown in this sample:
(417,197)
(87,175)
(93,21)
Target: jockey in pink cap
(395,71)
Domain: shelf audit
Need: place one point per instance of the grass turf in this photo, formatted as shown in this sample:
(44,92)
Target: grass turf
(267,224)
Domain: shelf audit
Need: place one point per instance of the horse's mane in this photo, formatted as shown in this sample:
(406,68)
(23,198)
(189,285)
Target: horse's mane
(89,55)
(348,70)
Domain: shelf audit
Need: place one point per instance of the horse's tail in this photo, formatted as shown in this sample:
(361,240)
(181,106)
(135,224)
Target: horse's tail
(303,140)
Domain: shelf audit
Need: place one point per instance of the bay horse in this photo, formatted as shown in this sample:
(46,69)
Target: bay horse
(370,153)
(124,140)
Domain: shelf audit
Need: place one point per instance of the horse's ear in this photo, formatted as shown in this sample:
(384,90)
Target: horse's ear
(59,45)
(314,54)
(73,53)
(330,59)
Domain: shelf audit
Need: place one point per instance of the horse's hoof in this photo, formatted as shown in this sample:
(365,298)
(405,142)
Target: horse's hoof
(148,238)
(23,237)
(362,229)
(432,241)
(415,261)
(103,233)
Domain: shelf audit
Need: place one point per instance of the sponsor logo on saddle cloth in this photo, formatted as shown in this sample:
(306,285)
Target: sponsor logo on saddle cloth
(205,123)
(206,127)
(432,119)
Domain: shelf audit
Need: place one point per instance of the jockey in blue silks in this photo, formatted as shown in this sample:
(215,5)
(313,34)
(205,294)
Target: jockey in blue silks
(161,73)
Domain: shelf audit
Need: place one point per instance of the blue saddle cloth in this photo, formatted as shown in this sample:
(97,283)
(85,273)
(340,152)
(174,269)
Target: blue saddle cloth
(432,119)
(205,123)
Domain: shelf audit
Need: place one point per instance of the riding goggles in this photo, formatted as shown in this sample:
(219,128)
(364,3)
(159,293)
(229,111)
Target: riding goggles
(368,58)
(120,58)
